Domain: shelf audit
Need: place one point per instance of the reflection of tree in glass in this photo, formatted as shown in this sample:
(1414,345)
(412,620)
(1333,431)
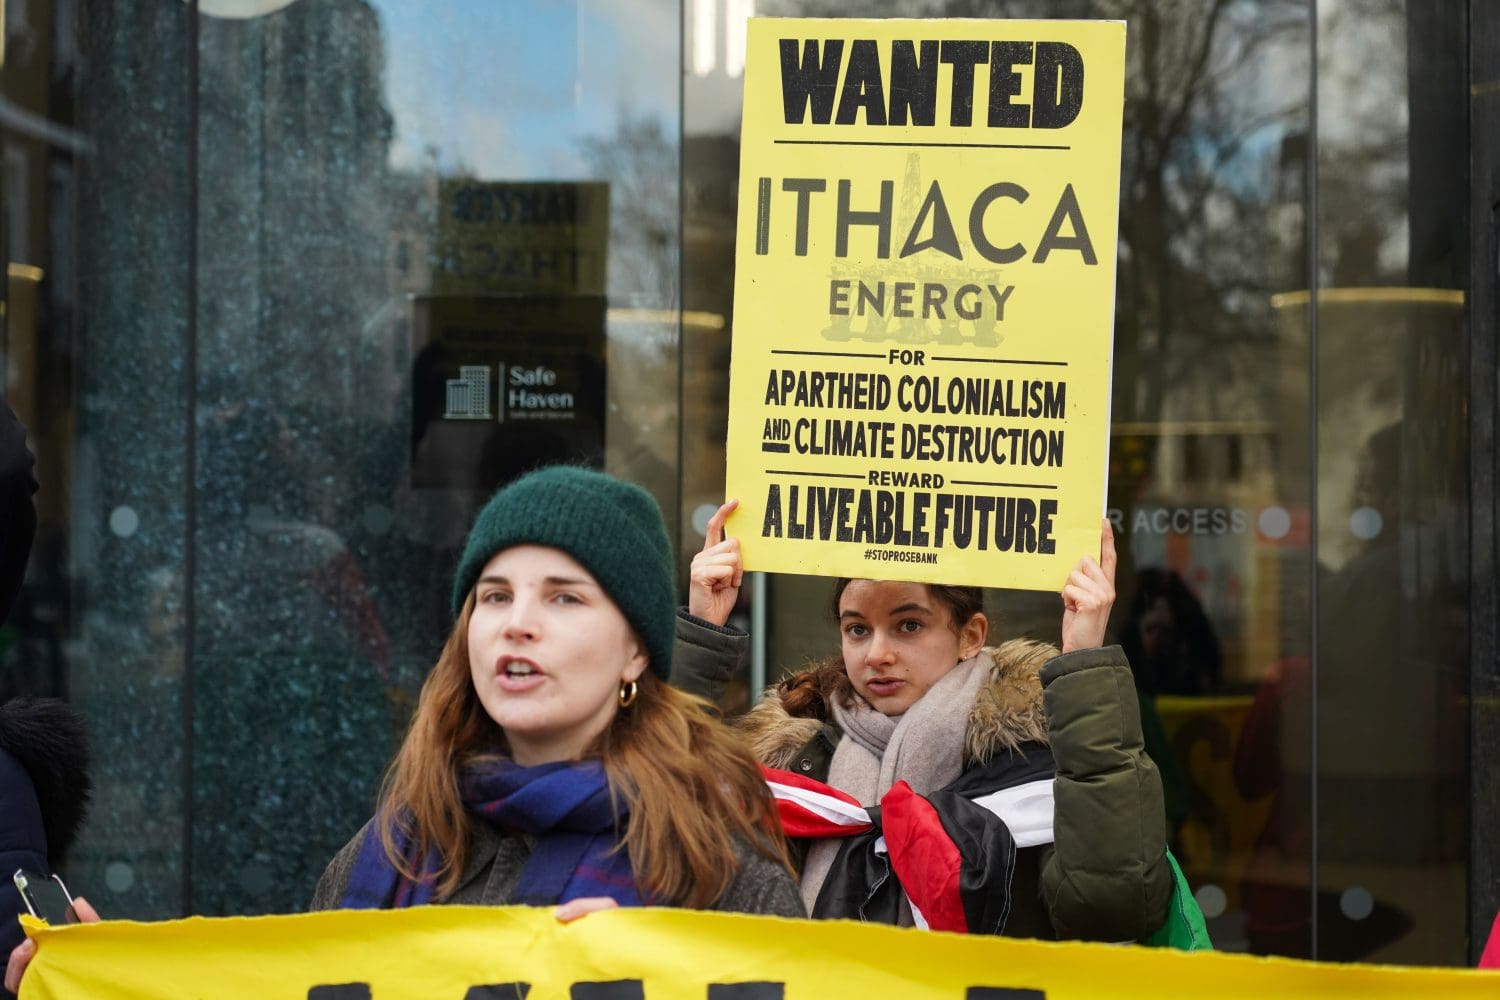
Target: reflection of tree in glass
(640,162)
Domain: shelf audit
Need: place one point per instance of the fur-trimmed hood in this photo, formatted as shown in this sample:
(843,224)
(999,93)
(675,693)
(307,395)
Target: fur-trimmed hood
(1007,713)
(48,740)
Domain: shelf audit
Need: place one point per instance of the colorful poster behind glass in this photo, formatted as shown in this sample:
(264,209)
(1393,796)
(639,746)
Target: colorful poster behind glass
(924,297)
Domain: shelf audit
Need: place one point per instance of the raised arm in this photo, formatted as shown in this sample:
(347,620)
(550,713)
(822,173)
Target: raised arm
(717,571)
(1107,878)
(708,650)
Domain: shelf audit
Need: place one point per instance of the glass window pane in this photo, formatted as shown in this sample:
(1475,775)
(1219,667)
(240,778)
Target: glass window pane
(1393,508)
(294,287)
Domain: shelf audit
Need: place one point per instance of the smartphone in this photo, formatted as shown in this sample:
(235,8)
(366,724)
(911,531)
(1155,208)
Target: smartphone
(45,896)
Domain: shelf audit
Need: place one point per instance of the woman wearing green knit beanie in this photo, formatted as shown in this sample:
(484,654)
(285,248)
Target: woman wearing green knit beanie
(612,528)
(548,716)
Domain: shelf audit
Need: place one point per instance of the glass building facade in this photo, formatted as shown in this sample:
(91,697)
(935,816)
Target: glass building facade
(292,286)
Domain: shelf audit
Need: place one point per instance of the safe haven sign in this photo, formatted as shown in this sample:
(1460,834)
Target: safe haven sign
(924,297)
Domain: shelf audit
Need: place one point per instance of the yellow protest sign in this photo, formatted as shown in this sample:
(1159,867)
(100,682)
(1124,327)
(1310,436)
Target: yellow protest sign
(924,297)
(478,953)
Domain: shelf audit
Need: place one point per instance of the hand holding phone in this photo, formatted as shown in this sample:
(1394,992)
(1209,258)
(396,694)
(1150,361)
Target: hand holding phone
(47,899)
(45,896)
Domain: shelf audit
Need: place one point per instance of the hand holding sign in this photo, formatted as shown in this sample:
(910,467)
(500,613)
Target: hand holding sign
(923,327)
(1088,596)
(22,954)
(717,571)
(575,908)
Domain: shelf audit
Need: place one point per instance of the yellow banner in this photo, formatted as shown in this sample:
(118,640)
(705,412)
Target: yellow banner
(924,297)
(478,953)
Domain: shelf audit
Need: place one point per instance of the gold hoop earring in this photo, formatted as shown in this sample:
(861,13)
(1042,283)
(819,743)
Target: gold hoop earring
(628,691)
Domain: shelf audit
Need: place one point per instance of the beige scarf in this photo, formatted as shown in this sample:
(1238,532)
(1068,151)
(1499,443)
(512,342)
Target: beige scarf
(924,748)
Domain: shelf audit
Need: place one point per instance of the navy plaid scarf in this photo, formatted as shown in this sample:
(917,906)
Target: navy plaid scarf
(565,805)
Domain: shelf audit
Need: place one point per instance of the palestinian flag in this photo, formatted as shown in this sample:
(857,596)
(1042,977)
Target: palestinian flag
(950,855)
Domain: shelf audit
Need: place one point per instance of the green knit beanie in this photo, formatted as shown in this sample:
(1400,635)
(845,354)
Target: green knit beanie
(613,529)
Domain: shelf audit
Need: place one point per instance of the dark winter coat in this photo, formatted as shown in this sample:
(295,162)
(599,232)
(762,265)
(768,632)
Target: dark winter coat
(43,753)
(43,791)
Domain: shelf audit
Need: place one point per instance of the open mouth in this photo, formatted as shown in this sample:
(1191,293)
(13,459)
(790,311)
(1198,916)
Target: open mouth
(519,669)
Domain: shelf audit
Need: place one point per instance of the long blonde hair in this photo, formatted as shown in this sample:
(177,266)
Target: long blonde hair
(691,787)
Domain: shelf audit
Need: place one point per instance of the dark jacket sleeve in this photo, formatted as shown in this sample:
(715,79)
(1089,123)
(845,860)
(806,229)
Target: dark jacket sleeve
(1107,878)
(762,886)
(330,890)
(23,844)
(706,656)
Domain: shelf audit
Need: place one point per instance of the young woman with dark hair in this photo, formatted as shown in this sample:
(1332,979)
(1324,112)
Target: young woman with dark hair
(1048,814)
